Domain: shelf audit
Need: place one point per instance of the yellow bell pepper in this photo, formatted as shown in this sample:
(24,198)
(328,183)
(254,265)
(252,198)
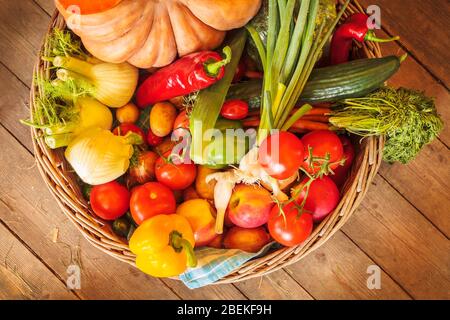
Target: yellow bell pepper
(164,246)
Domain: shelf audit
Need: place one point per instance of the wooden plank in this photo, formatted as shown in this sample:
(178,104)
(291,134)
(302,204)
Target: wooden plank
(23,26)
(214,292)
(427,175)
(425,183)
(278,285)
(424,29)
(401,241)
(14,106)
(338,270)
(23,276)
(47,5)
(28,209)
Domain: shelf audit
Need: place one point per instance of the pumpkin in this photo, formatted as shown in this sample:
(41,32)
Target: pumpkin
(89,6)
(151,33)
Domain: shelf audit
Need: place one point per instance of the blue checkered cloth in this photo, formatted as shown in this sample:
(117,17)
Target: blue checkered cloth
(214,264)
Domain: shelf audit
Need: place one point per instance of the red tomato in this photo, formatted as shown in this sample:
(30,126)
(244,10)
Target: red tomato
(181,125)
(110,201)
(151,199)
(281,155)
(153,140)
(322,143)
(125,128)
(254,75)
(323,197)
(177,176)
(234,110)
(291,229)
(341,172)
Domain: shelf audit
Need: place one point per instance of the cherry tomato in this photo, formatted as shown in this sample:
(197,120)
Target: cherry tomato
(177,176)
(181,125)
(234,110)
(153,140)
(143,169)
(341,172)
(254,75)
(151,199)
(125,128)
(322,144)
(281,155)
(110,201)
(292,228)
(240,72)
(323,197)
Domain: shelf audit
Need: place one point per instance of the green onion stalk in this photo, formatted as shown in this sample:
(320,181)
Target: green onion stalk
(294,45)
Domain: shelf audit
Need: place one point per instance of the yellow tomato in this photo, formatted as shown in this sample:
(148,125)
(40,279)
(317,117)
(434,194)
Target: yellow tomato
(128,113)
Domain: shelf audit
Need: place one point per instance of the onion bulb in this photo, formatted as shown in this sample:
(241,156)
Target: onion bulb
(98,156)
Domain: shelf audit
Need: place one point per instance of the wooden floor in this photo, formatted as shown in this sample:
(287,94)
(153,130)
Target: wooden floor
(402,226)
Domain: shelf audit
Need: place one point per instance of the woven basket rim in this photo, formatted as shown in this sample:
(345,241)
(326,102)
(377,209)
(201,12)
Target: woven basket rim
(63,186)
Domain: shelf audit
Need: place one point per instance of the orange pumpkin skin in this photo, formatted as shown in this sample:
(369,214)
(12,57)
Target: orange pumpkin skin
(90,6)
(149,33)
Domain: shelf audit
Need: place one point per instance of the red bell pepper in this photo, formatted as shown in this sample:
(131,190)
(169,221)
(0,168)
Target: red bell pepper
(191,73)
(354,28)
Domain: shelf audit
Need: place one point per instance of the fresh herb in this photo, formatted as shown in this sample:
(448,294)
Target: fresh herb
(64,43)
(407,117)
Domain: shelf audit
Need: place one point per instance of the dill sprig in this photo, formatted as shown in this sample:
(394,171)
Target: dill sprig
(57,105)
(407,117)
(68,90)
(64,43)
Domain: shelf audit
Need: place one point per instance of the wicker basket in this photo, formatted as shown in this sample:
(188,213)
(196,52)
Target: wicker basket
(63,185)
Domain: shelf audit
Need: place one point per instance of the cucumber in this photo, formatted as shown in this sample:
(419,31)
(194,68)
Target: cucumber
(354,79)
(245,90)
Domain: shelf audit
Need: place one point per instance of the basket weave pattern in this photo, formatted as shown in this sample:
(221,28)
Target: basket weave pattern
(63,185)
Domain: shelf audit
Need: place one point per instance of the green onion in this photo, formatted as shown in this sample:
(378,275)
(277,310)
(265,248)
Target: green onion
(294,45)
